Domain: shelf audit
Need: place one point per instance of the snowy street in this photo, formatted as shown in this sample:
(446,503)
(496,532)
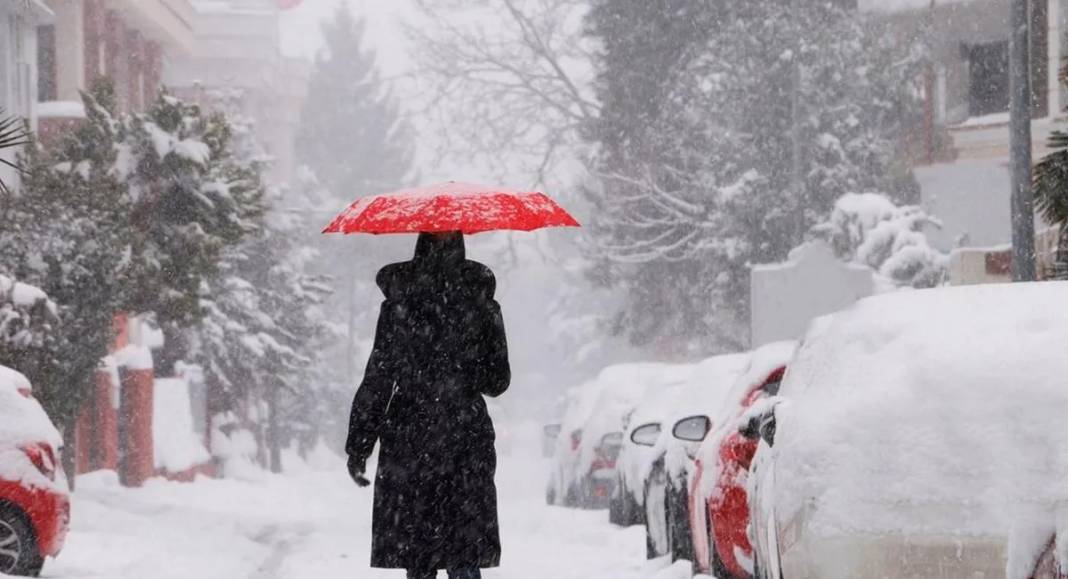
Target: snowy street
(316,525)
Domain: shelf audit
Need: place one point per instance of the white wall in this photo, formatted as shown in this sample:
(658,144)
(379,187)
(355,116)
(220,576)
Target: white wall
(786,297)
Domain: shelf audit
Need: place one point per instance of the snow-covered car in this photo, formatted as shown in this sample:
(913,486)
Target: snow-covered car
(719,509)
(34,499)
(549,434)
(666,482)
(642,429)
(583,466)
(919,434)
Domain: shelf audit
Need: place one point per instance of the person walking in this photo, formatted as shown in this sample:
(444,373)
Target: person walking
(439,347)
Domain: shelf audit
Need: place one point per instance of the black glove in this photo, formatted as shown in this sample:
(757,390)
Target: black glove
(356,470)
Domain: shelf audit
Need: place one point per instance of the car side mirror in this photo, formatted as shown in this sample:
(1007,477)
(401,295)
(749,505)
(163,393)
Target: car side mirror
(645,435)
(750,429)
(760,426)
(692,429)
(768,425)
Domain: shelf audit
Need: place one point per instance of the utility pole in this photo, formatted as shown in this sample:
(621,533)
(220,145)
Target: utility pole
(796,179)
(1023,221)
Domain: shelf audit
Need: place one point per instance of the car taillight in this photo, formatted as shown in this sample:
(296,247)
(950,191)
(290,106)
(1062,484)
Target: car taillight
(576,439)
(43,459)
(26,392)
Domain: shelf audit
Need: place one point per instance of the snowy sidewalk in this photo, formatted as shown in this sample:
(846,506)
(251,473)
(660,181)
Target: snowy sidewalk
(316,525)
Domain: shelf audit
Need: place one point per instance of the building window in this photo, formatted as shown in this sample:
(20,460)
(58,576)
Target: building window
(46,64)
(988,66)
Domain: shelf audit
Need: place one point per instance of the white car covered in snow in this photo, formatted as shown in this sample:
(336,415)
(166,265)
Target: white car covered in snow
(584,462)
(632,467)
(919,434)
(667,474)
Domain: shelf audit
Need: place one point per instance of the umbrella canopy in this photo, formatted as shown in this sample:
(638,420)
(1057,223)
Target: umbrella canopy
(451,206)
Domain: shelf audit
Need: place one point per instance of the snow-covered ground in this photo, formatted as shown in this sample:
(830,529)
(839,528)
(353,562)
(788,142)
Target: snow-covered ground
(313,523)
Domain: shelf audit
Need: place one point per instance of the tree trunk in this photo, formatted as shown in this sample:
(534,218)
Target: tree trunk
(274,442)
(68,454)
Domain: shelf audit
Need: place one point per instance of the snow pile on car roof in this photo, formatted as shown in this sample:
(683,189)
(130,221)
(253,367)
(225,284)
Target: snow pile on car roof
(608,398)
(22,420)
(704,394)
(938,412)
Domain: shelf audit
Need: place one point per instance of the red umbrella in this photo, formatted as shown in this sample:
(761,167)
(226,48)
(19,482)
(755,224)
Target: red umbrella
(451,207)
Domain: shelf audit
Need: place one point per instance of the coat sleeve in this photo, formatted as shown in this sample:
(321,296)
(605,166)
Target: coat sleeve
(490,372)
(372,397)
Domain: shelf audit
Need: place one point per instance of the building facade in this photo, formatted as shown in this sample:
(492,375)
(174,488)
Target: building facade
(963,154)
(238,49)
(19,21)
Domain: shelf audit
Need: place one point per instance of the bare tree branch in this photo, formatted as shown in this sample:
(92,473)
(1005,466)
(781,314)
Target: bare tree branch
(505,79)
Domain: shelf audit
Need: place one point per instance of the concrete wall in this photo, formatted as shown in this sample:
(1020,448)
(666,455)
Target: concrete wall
(786,297)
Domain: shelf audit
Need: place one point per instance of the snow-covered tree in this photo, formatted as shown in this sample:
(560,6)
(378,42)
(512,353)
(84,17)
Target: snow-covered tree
(192,199)
(869,229)
(727,130)
(351,132)
(29,329)
(260,342)
(67,231)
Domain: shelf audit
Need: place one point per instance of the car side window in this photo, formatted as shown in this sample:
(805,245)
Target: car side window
(772,388)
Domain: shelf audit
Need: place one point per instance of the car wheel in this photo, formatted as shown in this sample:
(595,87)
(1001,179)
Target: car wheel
(679,524)
(572,498)
(617,507)
(650,544)
(720,570)
(19,555)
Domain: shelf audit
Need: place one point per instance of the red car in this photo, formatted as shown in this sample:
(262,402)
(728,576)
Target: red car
(719,508)
(34,498)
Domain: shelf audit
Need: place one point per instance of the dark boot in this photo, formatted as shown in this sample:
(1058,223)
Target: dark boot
(422,574)
(465,574)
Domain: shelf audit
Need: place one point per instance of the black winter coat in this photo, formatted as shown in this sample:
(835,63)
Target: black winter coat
(440,346)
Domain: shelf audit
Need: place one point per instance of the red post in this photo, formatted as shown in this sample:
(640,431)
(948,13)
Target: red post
(107,423)
(138,463)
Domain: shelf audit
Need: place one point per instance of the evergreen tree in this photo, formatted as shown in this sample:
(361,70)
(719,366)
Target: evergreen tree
(67,231)
(260,340)
(352,134)
(354,141)
(191,201)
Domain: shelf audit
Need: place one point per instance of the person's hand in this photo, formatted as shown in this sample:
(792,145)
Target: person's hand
(356,471)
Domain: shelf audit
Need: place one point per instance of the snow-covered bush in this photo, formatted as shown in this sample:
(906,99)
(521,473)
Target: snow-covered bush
(869,229)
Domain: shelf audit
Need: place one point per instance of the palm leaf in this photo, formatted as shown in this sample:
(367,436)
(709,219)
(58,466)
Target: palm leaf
(13,133)
(1051,181)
